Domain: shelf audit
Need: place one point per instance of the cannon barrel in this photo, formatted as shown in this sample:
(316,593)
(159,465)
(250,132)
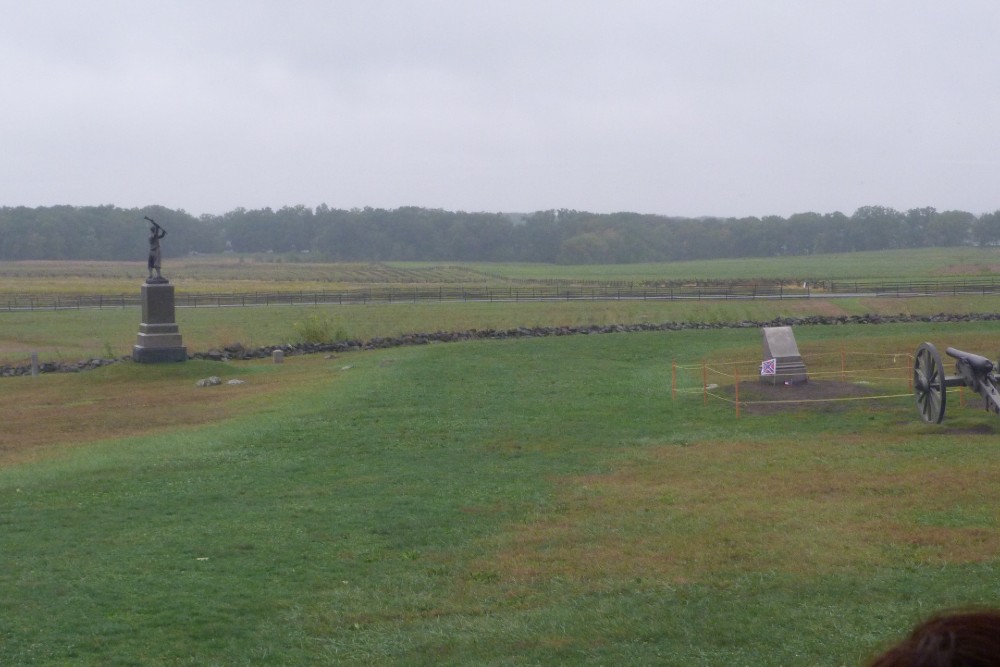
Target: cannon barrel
(978,363)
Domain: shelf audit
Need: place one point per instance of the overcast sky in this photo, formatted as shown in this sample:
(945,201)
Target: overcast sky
(694,107)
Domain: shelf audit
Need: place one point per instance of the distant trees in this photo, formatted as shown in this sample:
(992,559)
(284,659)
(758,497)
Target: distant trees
(414,233)
(99,232)
(986,230)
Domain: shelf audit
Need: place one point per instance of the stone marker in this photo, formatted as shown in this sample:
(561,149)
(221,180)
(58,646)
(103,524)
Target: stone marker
(34,364)
(781,363)
(278,356)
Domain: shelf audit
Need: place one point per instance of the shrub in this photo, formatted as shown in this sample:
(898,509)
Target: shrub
(318,329)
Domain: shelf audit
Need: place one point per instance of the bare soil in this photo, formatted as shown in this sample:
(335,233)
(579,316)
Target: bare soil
(765,398)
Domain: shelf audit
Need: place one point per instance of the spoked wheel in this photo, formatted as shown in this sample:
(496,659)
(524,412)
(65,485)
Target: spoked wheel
(928,383)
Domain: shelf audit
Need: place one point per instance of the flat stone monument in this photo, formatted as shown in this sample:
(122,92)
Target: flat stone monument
(782,363)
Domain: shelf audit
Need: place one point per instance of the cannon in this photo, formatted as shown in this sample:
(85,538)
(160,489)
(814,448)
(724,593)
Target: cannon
(930,384)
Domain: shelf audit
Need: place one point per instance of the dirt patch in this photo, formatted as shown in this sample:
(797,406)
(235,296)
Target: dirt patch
(814,307)
(979,268)
(43,416)
(824,395)
(883,304)
(986,428)
(800,507)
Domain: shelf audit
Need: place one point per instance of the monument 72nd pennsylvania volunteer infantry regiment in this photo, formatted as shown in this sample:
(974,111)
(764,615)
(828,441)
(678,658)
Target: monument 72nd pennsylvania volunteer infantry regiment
(159,338)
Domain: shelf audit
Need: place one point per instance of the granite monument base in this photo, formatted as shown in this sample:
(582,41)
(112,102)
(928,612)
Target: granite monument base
(159,338)
(781,354)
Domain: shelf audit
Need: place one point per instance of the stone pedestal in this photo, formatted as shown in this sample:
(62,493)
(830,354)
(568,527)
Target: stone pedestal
(780,346)
(159,339)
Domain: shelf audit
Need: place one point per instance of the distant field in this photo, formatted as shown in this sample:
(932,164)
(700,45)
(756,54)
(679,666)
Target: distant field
(231,273)
(72,335)
(225,273)
(925,263)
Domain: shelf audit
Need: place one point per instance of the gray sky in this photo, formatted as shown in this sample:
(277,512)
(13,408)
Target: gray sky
(694,107)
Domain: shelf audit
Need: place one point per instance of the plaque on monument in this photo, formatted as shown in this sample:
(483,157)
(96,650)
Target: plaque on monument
(159,338)
(782,363)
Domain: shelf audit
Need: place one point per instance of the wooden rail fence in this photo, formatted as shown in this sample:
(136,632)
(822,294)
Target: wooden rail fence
(547,292)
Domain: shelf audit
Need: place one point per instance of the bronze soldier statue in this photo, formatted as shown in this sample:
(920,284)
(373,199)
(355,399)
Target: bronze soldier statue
(155,234)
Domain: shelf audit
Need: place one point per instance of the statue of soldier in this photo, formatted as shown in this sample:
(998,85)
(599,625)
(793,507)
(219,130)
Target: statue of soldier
(155,234)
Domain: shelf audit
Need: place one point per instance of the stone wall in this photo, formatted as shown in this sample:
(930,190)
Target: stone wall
(235,352)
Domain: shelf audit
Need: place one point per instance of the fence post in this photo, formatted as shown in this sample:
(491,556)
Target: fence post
(704,382)
(737,393)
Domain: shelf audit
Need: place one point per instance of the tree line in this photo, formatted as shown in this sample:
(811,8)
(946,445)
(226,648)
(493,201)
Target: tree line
(422,234)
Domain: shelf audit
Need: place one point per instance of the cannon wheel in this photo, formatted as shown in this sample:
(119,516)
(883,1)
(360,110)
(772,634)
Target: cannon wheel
(928,383)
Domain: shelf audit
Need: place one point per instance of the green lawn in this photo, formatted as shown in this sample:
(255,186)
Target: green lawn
(497,502)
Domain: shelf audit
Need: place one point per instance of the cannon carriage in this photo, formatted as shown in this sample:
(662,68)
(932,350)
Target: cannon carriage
(930,384)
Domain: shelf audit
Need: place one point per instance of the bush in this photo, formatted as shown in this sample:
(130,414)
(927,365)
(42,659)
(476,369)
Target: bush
(318,329)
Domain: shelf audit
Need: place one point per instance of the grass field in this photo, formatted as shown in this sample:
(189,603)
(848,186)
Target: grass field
(922,263)
(234,273)
(538,501)
(529,502)
(73,335)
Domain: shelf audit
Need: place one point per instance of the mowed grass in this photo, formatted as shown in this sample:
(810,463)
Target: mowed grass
(527,502)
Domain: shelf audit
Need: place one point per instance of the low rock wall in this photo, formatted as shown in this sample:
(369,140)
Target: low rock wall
(235,352)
